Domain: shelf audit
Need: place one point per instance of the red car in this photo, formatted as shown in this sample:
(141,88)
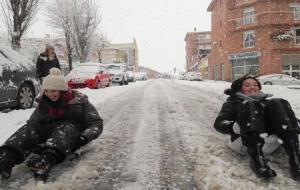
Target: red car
(91,75)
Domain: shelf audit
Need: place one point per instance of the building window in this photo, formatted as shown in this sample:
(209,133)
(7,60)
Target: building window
(240,67)
(296,33)
(249,39)
(216,72)
(249,16)
(291,65)
(222,72)
(295,9)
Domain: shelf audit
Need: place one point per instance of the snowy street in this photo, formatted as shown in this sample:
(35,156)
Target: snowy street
(158,134)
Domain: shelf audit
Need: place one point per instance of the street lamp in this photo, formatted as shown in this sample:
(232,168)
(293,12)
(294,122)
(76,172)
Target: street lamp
(100,54)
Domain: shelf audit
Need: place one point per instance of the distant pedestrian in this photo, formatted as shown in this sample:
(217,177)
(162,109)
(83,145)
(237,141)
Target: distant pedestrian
(46,61)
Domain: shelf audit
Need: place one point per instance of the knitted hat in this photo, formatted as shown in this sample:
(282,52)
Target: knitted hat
(236,86)
(55,81)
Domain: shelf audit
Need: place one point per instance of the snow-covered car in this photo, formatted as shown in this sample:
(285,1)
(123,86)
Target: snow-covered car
(181,76)
(18,82)
(194,76)
(141,76)
(278,79)
(131,77)
(91,75)
(118,73)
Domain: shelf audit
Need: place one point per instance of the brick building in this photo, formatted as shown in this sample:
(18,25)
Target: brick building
(198,45)
(257,36)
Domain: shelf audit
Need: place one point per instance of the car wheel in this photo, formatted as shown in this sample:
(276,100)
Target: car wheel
(109,83)
(25,97)
(98,85)
(268,83)
(122,82)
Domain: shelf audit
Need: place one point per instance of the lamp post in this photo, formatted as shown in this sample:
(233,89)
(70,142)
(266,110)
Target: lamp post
(100,52)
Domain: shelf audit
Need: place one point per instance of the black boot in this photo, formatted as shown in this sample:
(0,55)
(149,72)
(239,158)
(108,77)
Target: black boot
(7,162)
(292,149)
(258,162)
(41,165)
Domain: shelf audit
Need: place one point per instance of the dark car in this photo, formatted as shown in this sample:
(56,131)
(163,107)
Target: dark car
(18,83)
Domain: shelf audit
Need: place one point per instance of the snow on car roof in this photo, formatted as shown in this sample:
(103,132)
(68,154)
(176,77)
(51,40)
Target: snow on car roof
(13,60)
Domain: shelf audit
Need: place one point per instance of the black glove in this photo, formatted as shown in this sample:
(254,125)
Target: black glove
(82,140)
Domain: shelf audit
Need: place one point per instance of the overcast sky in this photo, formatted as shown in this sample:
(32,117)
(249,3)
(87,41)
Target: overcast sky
(159,27)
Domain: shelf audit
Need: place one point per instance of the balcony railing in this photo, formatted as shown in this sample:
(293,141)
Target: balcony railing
(243,2)
(282,17)
(287,44)
(240,22)
(263,19)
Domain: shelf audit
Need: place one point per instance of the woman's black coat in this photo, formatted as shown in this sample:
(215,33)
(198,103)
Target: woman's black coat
(43,65)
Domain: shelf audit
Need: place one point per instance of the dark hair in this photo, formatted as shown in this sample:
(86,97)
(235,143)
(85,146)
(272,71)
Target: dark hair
(236,85)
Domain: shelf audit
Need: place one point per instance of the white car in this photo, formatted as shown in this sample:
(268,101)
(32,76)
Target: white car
(194,76)
(278,79)
(118,73)
(141,76)
(131,77)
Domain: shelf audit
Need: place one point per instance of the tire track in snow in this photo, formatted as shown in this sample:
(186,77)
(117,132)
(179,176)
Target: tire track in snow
(176,165)
(143,165)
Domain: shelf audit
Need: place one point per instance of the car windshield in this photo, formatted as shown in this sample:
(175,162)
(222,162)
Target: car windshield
(113,67)
(86,69)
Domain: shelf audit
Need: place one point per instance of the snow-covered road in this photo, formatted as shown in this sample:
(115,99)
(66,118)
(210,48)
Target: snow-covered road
(157,135)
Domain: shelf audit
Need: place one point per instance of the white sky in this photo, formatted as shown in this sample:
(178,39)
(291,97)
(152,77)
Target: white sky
(159,27)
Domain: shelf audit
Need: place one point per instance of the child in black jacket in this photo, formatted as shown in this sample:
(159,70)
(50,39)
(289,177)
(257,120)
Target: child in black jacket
(63,122)
(248,114)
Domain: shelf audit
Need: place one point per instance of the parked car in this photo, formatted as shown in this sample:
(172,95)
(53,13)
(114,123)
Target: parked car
(131,77)
(194,76)
(181,75)
(118,73)
(18,82)
(141,76)
(278,79)
(91,75)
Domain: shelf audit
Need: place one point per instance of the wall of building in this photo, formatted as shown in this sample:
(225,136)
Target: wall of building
(228,30)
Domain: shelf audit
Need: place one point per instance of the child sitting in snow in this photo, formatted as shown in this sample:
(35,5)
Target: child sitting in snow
(63,122)
(248,115)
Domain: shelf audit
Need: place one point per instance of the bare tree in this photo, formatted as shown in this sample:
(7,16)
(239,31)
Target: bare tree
(59,14)
(85,20)
(18,16)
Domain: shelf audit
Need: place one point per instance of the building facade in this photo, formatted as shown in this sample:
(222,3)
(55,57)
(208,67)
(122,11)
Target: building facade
(121,53)
(198,45)
(257,36)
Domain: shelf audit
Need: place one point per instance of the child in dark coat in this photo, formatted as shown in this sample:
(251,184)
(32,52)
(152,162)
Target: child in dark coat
(248,115)
(63,122)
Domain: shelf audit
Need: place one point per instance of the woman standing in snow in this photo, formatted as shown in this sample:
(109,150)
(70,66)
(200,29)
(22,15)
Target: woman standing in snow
(253,121)
(46,61)
(63,122)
